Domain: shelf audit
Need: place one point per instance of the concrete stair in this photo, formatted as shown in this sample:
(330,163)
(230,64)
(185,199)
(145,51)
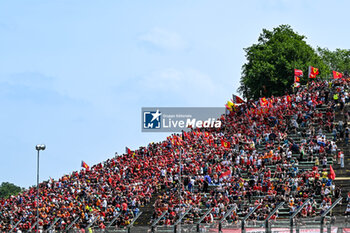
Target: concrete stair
(147,211)
(342,174)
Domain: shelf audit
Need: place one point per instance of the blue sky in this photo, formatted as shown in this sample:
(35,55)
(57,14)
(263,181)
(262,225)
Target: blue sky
(75,74)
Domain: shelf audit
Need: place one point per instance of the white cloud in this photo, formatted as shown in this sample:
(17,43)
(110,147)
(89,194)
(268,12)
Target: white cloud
(164,39)
(190,85)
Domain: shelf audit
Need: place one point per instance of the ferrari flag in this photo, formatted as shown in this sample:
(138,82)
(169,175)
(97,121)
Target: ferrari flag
(237,99)
(337,74)
(313,72)
(84,165)
(263,102)
(298,73)
(225,143)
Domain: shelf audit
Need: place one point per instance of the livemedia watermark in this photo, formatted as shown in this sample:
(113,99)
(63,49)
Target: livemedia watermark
(176,119)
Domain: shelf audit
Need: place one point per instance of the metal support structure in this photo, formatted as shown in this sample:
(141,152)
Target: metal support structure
(332,206)
(327,211)
(329,228)
(91,223)
(178,222)
(322,223)
(224,218)
(154,224)
(248,215)
(267,226)
(111,222)
(297,212)
(133,221)
(52,224)
(14,227)
(30,229)
(72,223)
(300,208)
(201,219)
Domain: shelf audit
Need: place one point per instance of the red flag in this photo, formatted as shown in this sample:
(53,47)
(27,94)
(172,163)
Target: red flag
(298,73)
(337,75)
(225,174)
(296,79)
(313,72)
(127,150)
(84,165)
(237,99)
(331,173)
(263,101)
(312,76)
(225,143)
(288,99)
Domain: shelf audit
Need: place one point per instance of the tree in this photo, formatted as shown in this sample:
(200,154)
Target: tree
(338,60)
(7,189)
(270,65)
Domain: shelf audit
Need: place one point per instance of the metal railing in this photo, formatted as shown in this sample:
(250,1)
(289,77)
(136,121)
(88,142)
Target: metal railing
(297,212)
(327,211)
(71,224)
(14,227)
(111,222)
(292,223)
(202,218)
(267,226)
(224,218)
(133,221)
(52,225)
(154,224)
(247,216)
(178,222)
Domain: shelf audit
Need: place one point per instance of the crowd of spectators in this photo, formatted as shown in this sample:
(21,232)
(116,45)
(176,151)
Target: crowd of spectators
(252,159)
(261,165)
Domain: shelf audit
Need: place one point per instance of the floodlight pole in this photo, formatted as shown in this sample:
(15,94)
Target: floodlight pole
(37,192)
(38,148)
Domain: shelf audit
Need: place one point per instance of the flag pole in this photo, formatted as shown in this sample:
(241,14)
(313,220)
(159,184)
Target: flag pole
(180,189)
(308,77)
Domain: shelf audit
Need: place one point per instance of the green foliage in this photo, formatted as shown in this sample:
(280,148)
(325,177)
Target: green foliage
(338,60)
(270,65)
(7,189)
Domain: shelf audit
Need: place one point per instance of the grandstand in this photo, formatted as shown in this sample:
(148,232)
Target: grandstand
(288,158)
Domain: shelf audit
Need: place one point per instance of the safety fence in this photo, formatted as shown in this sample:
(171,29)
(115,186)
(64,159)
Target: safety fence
(293,224)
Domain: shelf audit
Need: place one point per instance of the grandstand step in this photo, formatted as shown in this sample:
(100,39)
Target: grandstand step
(147,211)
